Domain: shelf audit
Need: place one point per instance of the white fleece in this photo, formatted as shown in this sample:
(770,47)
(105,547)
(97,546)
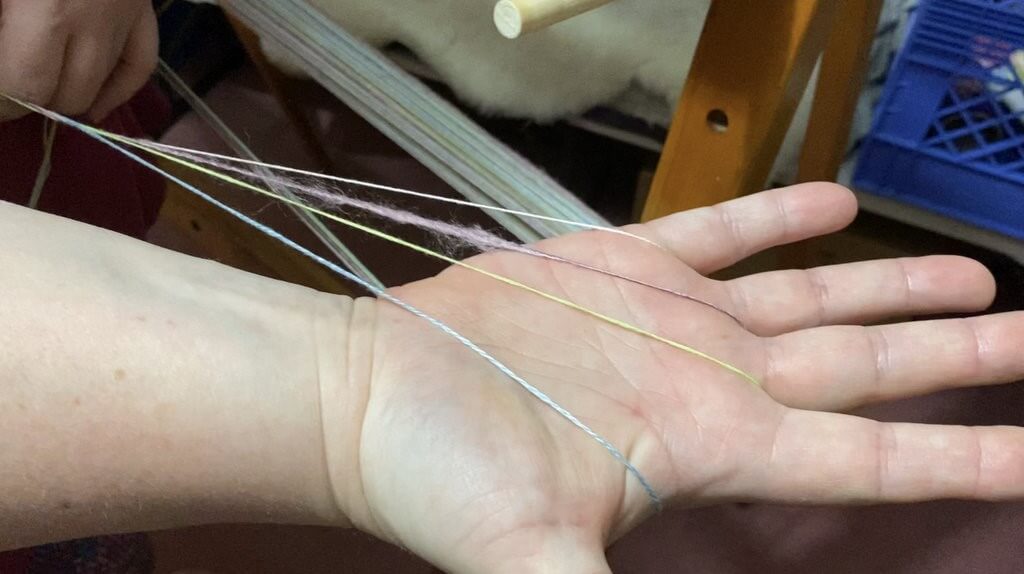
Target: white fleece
(566,69)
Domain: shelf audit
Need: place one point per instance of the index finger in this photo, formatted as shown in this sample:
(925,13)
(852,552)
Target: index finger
(712,238)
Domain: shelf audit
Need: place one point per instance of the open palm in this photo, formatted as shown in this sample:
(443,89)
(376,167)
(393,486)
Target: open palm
(466,469)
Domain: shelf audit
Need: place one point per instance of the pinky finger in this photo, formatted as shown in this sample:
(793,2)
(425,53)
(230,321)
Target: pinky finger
(134,69)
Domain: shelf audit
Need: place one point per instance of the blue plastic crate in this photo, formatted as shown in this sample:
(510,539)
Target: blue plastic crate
(949,130)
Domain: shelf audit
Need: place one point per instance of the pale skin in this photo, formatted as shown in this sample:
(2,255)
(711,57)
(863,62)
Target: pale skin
(144,389)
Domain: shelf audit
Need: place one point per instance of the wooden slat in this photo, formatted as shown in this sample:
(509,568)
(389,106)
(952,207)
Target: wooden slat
(753,63)
(226,239)
(844,67)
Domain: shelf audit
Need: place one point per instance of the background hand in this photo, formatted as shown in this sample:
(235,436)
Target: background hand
(75,56)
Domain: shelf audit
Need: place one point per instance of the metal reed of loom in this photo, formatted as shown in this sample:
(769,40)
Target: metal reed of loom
(424,124)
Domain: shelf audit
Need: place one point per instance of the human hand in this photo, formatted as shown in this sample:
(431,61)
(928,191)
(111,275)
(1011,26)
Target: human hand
(458,464)
(75,56)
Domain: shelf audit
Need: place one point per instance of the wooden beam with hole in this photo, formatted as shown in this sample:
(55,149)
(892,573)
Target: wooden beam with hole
(749,73)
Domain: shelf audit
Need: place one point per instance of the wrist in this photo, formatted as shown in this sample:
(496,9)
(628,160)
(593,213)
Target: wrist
(345,345)
(148,390)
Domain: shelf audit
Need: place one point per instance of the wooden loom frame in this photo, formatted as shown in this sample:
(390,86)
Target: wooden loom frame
(752,66)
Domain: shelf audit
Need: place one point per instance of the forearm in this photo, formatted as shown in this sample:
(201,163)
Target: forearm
(142,389)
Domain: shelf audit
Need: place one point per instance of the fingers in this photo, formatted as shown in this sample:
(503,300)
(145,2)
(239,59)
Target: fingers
(783,301)
(835,368)
(712,238)
(825,458)
(134,69)
(33,38)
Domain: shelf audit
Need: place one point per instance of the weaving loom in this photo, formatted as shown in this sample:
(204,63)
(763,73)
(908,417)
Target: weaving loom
(613,53)
(628,57)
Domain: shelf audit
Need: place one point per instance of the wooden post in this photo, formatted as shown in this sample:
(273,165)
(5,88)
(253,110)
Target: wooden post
(844,68)
(749,73)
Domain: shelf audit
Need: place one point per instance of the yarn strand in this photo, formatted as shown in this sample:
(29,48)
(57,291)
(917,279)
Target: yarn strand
(199,155)
(474,236)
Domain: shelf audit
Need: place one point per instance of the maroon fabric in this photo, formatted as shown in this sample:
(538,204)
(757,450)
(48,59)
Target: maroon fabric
(15,562)
(88,181)
(94,184)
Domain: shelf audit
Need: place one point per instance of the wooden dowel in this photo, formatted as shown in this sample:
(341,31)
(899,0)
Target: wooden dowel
(517,17)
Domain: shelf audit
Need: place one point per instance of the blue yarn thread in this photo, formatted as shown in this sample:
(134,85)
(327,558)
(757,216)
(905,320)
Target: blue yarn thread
(378,292)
